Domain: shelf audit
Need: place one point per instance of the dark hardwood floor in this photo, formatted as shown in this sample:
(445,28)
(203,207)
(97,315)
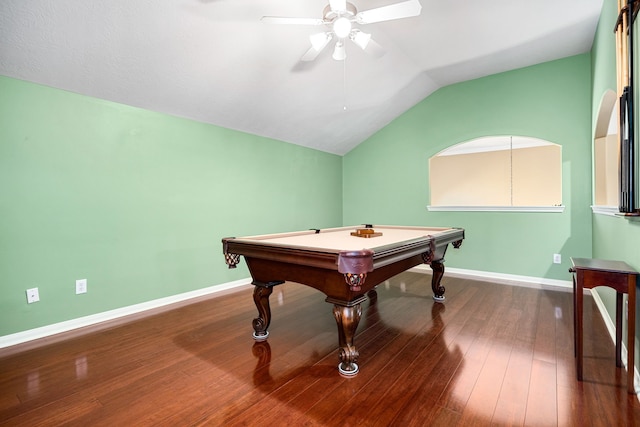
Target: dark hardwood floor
(490,355)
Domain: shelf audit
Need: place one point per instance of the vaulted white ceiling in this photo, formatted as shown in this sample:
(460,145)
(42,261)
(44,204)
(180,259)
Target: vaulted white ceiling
(214,61)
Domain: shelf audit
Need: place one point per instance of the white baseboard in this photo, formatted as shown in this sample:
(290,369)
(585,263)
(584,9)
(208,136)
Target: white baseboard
(505,279)
(611,327)
(94,319)
(81,322)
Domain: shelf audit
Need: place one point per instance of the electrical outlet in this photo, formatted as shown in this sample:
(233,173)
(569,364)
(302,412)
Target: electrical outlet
(557,258)
(33,295)
(81,286)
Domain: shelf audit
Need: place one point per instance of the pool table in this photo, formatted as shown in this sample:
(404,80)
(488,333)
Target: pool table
(344,263)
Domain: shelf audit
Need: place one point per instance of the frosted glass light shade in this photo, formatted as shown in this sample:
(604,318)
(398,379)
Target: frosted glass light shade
(342,27)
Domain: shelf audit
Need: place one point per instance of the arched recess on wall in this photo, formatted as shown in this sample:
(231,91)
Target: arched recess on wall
(606,155)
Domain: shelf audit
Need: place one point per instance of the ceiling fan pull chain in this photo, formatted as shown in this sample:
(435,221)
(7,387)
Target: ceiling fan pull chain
(344,84)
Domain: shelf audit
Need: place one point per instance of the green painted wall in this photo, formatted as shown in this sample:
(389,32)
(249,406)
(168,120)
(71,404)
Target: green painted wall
(135,201)
(613,237)
(386,177)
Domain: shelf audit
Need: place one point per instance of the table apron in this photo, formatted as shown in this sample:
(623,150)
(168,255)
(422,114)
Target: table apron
(328,281)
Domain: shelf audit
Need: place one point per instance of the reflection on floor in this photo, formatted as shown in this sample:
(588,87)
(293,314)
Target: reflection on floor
(490,354)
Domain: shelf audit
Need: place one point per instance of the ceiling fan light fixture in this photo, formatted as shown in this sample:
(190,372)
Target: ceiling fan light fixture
(342,27)
(360,38)
(339,53)
(339,17)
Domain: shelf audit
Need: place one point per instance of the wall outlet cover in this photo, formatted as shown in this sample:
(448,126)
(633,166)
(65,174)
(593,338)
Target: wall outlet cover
(33,295)
(81,286)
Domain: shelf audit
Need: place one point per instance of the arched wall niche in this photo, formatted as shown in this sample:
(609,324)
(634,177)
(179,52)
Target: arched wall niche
(606,153)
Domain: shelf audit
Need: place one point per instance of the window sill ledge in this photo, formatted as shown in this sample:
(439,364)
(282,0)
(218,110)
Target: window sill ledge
(613,211)
(605,210)
(536,209)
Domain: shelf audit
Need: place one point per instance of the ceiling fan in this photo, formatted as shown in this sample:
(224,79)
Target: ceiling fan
(339,16)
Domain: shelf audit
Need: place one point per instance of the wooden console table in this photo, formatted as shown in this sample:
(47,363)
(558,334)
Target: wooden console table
(589,273)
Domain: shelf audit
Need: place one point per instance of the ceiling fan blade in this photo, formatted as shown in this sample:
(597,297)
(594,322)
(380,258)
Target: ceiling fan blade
(318,42)
(291,21)
(310,55)
(338,5)
(405,9)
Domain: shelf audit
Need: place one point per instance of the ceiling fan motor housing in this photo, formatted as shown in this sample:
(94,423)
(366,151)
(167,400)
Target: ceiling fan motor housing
(331,15)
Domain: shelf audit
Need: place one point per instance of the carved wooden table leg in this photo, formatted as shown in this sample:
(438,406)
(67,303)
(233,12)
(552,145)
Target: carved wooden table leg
(438,272)
(347,319)
(261,294)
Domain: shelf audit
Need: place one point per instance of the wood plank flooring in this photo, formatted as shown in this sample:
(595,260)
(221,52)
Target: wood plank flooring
(491,355)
